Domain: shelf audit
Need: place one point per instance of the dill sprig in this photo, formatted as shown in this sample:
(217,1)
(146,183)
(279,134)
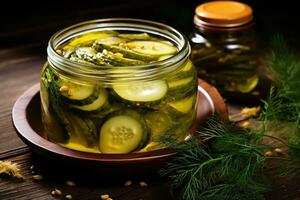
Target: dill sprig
(283,103)
(229,167)
(281,113)
(230,164)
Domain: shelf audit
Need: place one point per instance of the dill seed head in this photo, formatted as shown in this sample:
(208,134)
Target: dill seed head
(128,183)
(37,177)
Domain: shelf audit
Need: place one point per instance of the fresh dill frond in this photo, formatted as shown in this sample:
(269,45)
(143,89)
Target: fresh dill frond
(281,115)
(283,103)
(229,167)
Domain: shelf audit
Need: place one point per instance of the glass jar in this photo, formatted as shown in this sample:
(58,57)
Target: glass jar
(117,109)
(224,48)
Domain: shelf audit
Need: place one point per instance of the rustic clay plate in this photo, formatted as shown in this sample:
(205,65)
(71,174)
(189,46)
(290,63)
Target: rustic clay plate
(26,116)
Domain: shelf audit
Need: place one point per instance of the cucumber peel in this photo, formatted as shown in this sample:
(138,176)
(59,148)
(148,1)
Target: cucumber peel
(142,92)
(95,105)
(153,48)
(184,105)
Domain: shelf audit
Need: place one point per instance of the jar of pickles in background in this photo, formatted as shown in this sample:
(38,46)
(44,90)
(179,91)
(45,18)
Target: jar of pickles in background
(224,49)
(117,85)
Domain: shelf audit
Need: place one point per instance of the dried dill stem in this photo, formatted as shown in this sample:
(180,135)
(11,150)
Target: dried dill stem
(12,169)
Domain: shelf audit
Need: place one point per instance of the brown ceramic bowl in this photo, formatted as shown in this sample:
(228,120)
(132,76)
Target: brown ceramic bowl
(26,116)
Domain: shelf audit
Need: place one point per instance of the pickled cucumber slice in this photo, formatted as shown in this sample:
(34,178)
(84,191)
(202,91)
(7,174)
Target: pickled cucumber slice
(75,91)
(153,48)
(137,36)
(127,53)
(180,82)
(142,92)
(97,104)
(110,41)
(116,60)
(158,122)
(188,66)
(81,129)
(78,93)
(123,132)
(184,105)
(89,38)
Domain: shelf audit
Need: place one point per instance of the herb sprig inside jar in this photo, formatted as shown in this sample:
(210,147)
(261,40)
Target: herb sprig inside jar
(114,90)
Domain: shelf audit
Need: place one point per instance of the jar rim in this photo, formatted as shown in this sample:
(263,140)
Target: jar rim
(109,74)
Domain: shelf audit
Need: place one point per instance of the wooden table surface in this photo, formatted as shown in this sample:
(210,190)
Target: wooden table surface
(19,70)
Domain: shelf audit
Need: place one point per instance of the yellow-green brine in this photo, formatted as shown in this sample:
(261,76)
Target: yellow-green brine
(117,85)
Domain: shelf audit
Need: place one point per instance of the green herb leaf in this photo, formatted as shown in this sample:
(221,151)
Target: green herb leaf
(230,167)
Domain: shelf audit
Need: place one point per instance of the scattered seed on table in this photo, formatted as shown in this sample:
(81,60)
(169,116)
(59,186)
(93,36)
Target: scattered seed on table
(37,177)
(245,124)
(70,183)
(269,154)
(128,183)
(68,196)
(57,191)
(143,184)
(278,150)
(31,167)
(104,196)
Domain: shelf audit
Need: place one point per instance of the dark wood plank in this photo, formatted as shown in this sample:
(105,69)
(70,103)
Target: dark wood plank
(19,70)
(89,186)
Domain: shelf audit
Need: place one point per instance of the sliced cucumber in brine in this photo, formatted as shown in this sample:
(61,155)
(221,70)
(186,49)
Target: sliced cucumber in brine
(78,93)
(158,122)
(97,104)
(75,91)
(188,66)
(137,36)
(124,51)
(142,92)
(153,48)
(89,38)
(110,41)
(123,132)
(185,105)
(164,57)
(178,83)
